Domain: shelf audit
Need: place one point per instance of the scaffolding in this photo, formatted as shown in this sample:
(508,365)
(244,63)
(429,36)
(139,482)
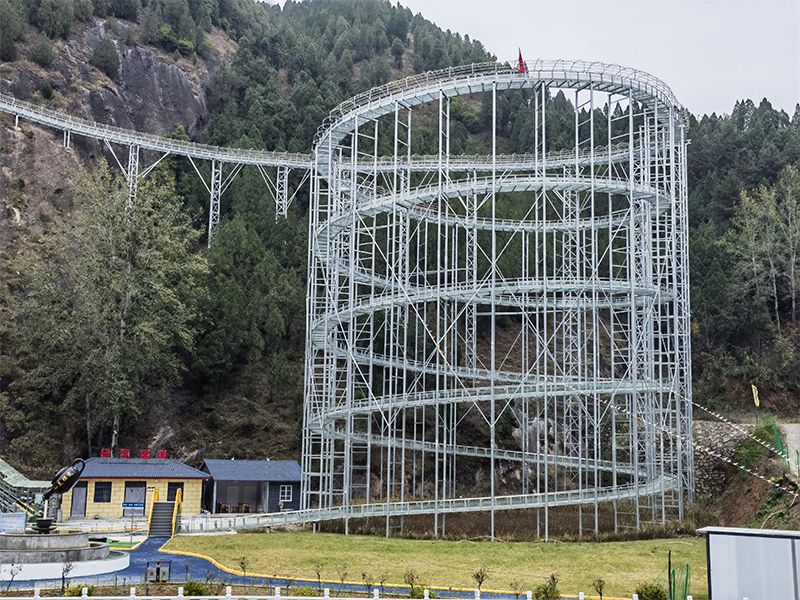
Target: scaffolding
(523,317)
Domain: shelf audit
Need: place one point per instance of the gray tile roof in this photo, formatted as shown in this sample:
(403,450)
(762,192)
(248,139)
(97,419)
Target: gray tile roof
(252,470)
(137,468)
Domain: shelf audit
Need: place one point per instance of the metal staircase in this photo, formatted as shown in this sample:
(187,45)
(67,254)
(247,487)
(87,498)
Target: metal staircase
(17,492)
(161,520)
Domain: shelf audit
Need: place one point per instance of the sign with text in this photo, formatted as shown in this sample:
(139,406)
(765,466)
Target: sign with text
(13,522)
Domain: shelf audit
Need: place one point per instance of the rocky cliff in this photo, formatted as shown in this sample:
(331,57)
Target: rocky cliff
(153,92)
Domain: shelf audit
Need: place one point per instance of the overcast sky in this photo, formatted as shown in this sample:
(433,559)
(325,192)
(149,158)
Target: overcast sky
(710,52)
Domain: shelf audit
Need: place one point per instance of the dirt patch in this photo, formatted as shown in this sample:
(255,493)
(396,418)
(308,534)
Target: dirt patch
(749,501)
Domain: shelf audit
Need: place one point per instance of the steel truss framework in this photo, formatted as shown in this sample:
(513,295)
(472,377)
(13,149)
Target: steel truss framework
(225,163)
(524,316)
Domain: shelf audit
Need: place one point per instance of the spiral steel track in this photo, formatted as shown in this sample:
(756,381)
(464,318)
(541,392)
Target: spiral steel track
(578,250)
(396,376)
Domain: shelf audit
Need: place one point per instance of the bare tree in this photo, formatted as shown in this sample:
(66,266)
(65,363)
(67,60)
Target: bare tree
(341,571)
(480,576)
(411,578)
(753,243)
(318,571)
(382,580)
(243,564)
(368,580)
(65,571)
(517,587)
(788,221)
(13,570)
(599,587)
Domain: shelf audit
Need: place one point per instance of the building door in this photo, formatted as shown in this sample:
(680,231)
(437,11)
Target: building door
(172,490)
(133,502)
(78,508)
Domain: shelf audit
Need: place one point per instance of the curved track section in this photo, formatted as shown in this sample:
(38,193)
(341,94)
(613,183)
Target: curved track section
(127,147)
(145,141)
(522,316)
(130,149)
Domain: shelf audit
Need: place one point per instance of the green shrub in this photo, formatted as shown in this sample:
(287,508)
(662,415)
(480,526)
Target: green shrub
(185,47)
(105,58)
(8,49)
(46,90)
(204,48)
(83,9)
(195,588)
(750,452)
(419,592)
(42,51)
(77,591)
(651,591)
(304,590)
(547,591)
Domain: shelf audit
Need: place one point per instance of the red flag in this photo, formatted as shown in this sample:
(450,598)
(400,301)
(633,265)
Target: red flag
(521,62)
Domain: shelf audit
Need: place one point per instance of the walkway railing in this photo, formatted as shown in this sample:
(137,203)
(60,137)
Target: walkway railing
(575,70)
(58,120)
(326,595)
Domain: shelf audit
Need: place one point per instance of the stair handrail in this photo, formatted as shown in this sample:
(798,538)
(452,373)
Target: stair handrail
(153,501)
(9,494)
(176,509)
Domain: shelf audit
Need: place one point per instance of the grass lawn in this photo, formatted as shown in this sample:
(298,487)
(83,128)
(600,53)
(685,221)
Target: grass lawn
(121,544)
(451,563)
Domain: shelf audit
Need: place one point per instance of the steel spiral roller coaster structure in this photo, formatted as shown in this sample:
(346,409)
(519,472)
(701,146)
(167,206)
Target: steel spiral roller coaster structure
(485,332)
(522,317)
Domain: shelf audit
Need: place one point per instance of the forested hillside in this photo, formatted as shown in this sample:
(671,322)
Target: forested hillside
(744,210)
(81,369)
(210,362)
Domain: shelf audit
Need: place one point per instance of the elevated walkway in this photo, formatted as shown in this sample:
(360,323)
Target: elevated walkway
(17,491)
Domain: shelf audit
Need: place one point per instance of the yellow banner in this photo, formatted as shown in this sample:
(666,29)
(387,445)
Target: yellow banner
(756,400)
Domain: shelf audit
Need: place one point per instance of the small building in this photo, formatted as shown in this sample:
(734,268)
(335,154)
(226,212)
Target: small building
(244,486)
(752,563)
(112,488)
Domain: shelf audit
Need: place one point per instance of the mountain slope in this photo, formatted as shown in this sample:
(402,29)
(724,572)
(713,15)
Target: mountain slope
(257,76)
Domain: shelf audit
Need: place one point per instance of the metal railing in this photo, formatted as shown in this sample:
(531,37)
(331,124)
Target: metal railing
(99,131)
(421,507)
(576,71)
(379,592)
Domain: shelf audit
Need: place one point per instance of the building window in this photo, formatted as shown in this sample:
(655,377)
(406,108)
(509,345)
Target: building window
(286,493)
(102,491)
(172,490)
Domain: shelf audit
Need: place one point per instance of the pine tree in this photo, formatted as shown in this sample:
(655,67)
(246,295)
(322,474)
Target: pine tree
(12,26)
(397,52)
(105,58)
(42,51)
(110,301)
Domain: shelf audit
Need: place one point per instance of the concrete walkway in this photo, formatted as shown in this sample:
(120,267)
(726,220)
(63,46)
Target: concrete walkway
(189,568)
(791,435)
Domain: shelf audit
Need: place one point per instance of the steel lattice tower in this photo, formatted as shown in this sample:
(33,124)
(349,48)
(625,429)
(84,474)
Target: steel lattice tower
(522,314)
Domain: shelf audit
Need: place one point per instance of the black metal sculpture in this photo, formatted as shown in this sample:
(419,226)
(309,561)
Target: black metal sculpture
(65,478)
(63,481)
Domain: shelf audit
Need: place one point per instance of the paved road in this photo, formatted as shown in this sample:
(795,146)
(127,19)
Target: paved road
(791,435)
(189,568)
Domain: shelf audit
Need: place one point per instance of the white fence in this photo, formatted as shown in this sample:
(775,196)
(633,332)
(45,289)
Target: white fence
(376,595)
